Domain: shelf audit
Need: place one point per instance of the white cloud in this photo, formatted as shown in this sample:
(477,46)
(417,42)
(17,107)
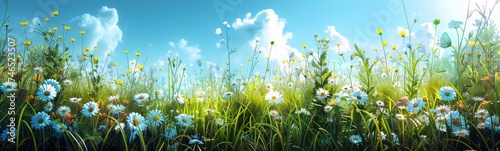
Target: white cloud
(101,30)
(192,51)
(266,25)
(335,36)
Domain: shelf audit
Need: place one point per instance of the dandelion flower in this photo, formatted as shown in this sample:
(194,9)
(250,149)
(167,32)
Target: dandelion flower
(136,122)
(461,133)
(356,139)
(53,83)
(82,32)
(63,110)
(184,120)
(40,120)
(273,97)
(415,105)
(322,93)
(447,93)
(141,97)
(46,92)
(379,31)
(90,109)
(155,118)
(360,96)
(23,23)
(402,33)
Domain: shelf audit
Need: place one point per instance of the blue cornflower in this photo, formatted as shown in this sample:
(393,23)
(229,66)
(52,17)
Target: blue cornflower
(136,122)
(46,92)
(59,128)
(40,120)
(8,87)
(195,140)
(454,24)
(170,134)
(219,121)
(90,109)
(493,123)
(356,139)
(48,107)
(184,120)
(415,105)
(155,117)
(174,146)
(4,134)
(456,121)
(63,110)
(359,96)
(117,109)
(54,83)
(447,93)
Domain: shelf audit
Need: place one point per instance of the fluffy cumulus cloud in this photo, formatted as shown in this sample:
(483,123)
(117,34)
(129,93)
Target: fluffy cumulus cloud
(335,36)
(266,26)
(101,29)
(191,51)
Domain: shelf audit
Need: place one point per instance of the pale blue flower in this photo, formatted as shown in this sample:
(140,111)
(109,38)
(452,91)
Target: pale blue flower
(356,139)
(447,93)
(184,120)
(46,92)
(40,120)
(155,117)
(90,109)
(53,83)
(415,105)
(454,24)
(170,134)
(8,87)
(360,96)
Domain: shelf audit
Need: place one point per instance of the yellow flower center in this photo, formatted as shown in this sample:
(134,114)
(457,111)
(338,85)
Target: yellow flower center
(136,122)
(91,109)
(9,86)
(273,98)
(184,120)
(456,122)
(415,104)
(141,97)
(156,118)
(46,93)
(447,93)
(40,121)
(442,110)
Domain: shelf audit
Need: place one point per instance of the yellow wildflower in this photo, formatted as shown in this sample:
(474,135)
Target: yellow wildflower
(115,64)
(55,13)
(335,75)
(472,43)
(72,39)
(400,57)
(384,43)
(402,33)
(304,46)
(82,32)
(139,67)
(95,48)
(119,82)
(389,69)
(394,47)
(137,53)
(484,44)
(128,70)
(27,43)
(59,37)
(249,59)
(67,28)
(46,19)
(376,49)
(159,69)
(24,23)
(96,60)
(126,51)
(379,31)
(303,55)
(54,28)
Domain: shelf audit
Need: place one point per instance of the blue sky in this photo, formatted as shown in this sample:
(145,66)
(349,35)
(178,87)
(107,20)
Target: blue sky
(188,27)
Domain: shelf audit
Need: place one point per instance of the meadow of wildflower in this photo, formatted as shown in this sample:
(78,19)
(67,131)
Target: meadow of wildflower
(393,100)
